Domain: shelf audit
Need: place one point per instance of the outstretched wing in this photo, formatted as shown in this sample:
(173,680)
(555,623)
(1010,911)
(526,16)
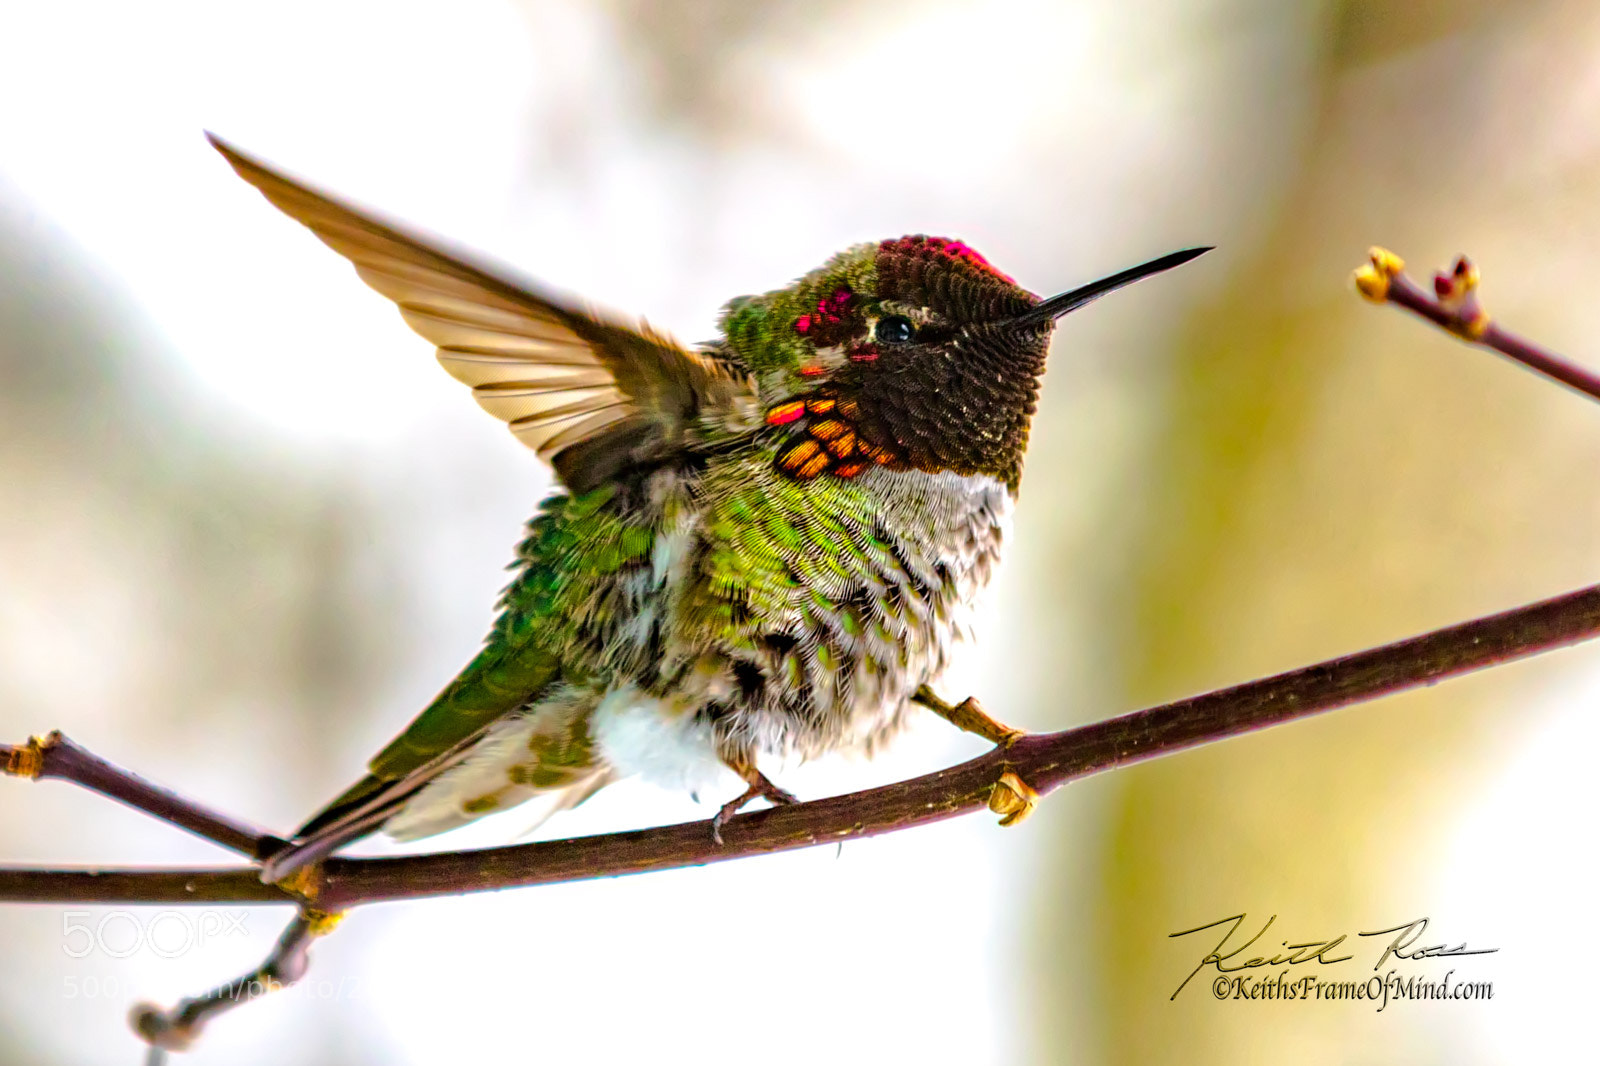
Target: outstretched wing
(591,395)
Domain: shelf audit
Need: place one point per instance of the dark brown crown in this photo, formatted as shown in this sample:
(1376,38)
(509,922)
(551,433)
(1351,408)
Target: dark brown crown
(949,278)
(952,387)
(958,398)
(962,398)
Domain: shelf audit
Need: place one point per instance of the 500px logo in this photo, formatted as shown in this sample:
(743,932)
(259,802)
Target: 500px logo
(166,934)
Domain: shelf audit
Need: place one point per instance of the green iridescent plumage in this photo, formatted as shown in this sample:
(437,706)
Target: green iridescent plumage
(571,555)
(764,546)
(760,329)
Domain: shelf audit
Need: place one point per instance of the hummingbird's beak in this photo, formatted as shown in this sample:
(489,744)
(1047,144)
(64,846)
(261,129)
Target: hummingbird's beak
(1049,310)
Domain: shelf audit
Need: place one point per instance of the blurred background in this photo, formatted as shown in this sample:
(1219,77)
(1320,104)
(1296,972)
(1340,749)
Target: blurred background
(248,527)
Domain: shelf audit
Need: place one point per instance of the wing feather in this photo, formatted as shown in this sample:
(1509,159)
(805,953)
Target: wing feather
(556,435)
(560,375)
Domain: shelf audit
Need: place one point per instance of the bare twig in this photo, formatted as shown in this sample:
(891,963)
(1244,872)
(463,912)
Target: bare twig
(1042,761)
(57,756)
(1454,306)
(178,1028)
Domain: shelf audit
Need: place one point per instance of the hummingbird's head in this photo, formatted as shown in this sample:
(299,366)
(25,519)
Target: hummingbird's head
(913,353)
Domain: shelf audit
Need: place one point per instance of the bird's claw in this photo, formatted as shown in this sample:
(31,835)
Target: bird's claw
(759,788)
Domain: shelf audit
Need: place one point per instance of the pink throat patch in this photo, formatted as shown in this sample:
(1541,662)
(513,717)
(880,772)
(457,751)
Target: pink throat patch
(824,323)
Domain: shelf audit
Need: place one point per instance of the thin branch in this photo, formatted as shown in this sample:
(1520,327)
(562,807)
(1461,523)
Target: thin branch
(178,1028)
(1454,307)
(58,757)
(138,884)
(1042,761)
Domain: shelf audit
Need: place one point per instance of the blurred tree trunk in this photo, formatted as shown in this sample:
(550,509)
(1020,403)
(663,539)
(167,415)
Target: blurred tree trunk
(1331,476)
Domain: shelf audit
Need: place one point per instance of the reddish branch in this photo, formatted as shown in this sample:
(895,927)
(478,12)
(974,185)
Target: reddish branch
(176,1029)
(58,757)
(1453,306)
(1044,761)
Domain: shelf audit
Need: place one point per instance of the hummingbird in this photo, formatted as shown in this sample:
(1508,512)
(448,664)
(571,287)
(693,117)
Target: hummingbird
(769,544)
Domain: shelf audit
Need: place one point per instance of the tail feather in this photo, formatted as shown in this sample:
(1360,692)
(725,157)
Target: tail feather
(360,811)
(403,820)
(318,846)
(424,819)
(356,796)
(544,757)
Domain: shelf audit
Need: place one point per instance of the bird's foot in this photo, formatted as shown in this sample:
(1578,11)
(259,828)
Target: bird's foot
(969,716)
(1012,798)
(759,788)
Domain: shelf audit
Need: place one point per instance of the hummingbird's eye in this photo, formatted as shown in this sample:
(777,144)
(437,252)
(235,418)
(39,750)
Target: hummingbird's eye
(894,329)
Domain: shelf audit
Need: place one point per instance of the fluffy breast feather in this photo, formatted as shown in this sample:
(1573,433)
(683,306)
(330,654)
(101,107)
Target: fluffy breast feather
(808,613)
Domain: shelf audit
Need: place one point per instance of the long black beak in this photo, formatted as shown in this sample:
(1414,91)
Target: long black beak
(1053,308)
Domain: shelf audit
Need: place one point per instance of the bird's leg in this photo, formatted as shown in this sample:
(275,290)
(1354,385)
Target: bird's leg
(969,716)
(743,763)
(1013,799)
